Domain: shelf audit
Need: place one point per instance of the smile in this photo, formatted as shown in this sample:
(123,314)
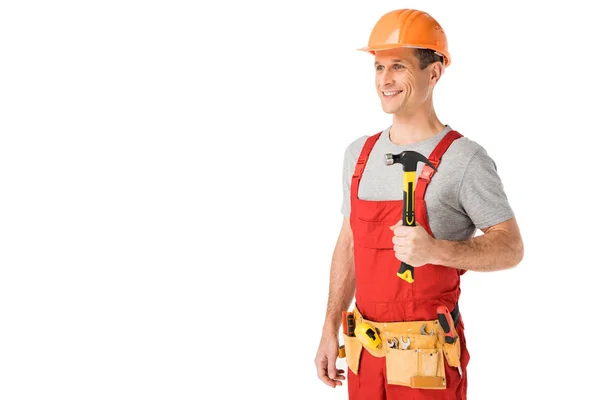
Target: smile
(391,94)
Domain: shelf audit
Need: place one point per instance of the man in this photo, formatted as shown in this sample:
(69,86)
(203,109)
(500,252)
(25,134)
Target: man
(464,193)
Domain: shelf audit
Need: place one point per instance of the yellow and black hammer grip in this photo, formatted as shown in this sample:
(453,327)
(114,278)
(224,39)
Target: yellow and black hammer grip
(409,160)
(406,271)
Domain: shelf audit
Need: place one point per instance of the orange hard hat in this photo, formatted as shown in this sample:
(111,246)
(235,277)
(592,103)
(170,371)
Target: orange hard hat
(408,28)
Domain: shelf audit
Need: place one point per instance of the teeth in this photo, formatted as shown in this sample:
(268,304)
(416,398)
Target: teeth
(390,93)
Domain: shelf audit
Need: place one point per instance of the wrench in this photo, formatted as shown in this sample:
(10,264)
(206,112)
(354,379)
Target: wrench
(392,343)
(424,332)
(405,344)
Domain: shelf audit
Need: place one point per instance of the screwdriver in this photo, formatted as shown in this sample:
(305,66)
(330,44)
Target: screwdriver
(345,322)
(351,324)
(447,324)
(348,322)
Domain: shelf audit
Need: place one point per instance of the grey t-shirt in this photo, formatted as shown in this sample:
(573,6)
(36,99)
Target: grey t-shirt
(465,194)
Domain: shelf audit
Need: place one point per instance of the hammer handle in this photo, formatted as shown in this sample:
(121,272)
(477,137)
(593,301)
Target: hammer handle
(408,215)
(407,272)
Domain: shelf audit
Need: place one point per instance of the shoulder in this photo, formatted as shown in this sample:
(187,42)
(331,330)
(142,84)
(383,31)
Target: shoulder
(467,151)
(466,146)
(354,148)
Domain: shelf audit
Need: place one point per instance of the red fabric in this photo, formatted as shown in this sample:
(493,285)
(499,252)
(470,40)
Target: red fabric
(383,297)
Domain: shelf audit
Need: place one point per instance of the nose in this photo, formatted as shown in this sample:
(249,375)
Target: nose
(386,78)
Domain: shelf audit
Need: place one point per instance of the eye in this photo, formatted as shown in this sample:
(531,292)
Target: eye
(399,66)
(379,67)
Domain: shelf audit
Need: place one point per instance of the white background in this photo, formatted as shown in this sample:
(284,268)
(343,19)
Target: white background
(170,192)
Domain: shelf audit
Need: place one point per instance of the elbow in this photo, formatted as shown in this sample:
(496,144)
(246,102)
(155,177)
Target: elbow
(517,251)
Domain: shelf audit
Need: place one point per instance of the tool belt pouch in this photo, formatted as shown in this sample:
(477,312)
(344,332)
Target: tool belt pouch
(352,348)
(452,352)
(420,365)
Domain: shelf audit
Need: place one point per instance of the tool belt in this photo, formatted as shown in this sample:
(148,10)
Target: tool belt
(414,351)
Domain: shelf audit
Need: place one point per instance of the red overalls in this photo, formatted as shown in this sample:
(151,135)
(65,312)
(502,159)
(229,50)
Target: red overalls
(383,297)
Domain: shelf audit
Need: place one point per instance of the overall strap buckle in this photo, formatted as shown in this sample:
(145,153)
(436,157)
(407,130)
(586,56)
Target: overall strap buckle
(427,172)
(360,167)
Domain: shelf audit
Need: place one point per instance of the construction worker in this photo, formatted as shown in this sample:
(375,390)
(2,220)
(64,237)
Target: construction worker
(414,357)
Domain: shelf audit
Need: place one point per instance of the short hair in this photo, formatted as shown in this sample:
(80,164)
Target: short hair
(427,56)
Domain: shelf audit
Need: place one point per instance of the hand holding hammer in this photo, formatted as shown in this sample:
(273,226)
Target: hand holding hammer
(409,160)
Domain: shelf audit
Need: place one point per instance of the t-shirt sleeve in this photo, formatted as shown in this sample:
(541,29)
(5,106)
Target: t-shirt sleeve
(347,171)
(481,192)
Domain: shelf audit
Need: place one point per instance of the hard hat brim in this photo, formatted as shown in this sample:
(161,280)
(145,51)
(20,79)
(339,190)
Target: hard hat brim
(373,49)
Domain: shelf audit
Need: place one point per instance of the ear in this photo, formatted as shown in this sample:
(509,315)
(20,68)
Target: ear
(437,69)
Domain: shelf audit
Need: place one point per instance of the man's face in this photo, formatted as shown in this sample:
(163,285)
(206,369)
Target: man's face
(401,85)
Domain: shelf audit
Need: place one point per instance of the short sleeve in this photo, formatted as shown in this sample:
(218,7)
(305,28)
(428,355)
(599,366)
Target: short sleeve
(481,192)
(347,171)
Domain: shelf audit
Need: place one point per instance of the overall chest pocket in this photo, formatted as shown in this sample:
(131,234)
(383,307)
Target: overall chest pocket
(373,234)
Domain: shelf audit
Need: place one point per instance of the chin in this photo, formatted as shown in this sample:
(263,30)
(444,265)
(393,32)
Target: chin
(389,110)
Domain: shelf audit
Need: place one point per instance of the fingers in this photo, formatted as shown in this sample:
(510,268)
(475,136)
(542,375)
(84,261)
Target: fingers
(400,223)
(402,231)
(407,232)
(324,373)
(398,241)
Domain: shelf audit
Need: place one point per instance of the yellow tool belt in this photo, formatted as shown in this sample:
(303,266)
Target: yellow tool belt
(412,358)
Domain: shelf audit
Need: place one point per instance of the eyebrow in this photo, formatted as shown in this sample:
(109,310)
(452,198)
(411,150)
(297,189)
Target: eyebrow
(394,60)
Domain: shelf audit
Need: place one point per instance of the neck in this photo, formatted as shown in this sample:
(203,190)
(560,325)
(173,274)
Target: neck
(414,127)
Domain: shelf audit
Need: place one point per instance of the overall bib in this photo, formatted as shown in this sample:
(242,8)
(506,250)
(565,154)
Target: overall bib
(382,297)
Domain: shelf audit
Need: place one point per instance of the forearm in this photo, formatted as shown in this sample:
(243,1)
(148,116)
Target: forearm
(342,284)
(492,251)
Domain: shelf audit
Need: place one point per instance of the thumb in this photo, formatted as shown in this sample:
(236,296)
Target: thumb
(397,224)
(331,369)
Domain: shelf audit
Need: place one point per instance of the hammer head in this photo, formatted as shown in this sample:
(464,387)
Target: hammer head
(408,159)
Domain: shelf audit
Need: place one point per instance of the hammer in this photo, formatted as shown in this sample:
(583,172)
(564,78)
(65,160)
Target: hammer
(409,160)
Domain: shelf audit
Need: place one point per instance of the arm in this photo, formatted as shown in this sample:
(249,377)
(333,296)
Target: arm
(341,280)
(341,291)
(500,247)
(480,195)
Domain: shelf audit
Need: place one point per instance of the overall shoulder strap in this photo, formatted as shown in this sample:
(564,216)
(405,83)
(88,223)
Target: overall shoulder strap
(361,162)
(435,158)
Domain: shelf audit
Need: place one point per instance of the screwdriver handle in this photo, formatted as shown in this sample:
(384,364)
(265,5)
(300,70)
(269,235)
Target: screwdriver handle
(351,325)
(447,324)
(345,322)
